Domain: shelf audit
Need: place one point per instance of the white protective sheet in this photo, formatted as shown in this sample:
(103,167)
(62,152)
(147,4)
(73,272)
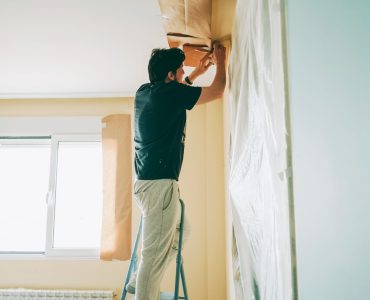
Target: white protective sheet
(258,182)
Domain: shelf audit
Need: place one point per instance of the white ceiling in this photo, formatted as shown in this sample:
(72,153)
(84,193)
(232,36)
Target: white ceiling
(76,48)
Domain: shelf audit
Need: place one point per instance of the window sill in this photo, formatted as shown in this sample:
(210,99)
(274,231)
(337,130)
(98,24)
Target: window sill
(59,255)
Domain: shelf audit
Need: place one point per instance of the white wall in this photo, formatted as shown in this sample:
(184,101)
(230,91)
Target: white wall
(78,49)
(329,74)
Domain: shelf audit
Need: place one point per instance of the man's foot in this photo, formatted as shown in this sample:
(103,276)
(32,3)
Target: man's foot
(131,286)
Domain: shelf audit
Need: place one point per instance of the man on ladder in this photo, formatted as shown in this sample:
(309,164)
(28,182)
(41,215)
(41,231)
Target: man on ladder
(160,119)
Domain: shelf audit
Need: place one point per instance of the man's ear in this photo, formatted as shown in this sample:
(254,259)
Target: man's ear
(171,76)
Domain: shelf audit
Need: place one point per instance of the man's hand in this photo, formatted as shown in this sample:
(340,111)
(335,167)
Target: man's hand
(203,66)
(216,89)
(219,54)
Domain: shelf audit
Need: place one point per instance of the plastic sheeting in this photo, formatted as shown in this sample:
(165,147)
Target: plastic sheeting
(258,178)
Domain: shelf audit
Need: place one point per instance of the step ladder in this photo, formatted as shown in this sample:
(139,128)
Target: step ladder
(180,274)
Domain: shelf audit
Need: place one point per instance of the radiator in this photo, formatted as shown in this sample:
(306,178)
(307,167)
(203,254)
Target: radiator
(30,294)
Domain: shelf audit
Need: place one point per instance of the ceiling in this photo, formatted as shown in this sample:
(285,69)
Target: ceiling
(76,49)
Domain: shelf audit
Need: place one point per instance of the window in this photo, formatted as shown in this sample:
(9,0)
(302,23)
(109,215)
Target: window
(51,195)
(24,178)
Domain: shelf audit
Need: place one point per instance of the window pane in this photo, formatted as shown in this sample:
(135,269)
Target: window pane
(78,195)
(24,179)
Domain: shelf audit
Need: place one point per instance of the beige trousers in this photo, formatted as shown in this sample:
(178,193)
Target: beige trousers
(160,208)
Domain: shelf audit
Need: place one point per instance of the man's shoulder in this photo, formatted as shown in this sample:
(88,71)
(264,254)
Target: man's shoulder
(162,86)
(169,92)
(143,87)
(143,94)
(175,88)
(153,88)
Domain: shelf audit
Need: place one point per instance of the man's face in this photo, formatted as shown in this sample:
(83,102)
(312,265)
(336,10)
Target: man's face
(180,73)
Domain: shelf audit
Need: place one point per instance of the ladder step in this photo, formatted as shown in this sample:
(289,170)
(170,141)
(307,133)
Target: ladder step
(166,296)
(169,296)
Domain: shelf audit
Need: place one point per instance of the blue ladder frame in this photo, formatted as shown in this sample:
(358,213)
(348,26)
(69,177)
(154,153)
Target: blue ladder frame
(180,273)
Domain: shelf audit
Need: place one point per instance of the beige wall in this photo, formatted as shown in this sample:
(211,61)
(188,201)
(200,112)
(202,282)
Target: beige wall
(202,189)
(223,12)
(64,107)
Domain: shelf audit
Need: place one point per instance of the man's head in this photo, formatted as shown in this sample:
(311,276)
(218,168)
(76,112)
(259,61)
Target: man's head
(166,65)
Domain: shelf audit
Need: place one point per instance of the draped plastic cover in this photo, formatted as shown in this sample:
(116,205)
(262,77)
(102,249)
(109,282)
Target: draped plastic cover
(258,181)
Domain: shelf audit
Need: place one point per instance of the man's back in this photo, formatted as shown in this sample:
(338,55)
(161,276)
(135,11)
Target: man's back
(160,118)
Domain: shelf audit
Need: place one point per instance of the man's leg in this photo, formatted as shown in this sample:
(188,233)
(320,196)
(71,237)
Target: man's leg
(185,237)
(159,203)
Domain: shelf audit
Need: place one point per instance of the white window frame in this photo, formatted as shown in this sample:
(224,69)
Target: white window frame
(53,140)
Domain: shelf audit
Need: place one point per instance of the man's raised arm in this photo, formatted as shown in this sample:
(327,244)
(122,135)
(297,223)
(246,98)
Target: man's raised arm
(216,89)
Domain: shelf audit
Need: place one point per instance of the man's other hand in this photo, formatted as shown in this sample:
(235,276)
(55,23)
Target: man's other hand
(219,53)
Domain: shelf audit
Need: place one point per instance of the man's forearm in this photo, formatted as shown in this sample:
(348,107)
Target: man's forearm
(217,88)
(220,76)
(193,75)
(219,81)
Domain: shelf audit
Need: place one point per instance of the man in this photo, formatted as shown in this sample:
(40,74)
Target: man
(160,119)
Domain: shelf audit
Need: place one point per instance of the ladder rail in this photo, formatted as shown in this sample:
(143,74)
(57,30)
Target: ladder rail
(179,261)
(133,260)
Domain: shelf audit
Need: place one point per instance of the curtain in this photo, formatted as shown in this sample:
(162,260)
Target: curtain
(258,154)
(117,188)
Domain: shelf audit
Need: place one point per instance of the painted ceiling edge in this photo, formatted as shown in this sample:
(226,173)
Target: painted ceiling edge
(188,25)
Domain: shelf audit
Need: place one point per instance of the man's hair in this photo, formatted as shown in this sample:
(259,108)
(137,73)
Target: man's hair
(163,61)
